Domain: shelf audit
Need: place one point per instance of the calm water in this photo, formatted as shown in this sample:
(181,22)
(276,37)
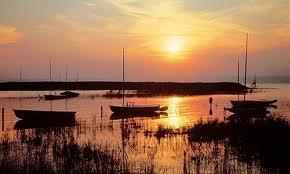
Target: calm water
(167,153)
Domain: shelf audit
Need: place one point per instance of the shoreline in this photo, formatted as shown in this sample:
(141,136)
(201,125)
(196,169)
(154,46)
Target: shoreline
(151,87)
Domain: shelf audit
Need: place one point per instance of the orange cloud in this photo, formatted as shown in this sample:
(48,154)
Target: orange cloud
(9,35)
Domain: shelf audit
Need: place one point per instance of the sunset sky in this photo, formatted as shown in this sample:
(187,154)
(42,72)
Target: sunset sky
(166,40)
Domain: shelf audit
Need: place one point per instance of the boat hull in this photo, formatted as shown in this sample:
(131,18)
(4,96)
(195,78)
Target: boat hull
(135,109)
(70,94)
(252,103)
(62,96)
(44,115)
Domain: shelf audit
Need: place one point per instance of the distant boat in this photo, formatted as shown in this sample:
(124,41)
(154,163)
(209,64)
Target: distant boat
(254,84)
(63,95)
(33,115)
(252,103)
(130,107)
(67,93)
(70,94)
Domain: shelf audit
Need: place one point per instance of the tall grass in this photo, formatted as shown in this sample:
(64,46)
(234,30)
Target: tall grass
(262,141)
(56,151)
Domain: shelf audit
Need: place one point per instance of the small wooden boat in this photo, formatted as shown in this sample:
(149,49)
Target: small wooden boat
(130,107)
(70,94)
(44,115)
(252,103)
(54,97)
(135,108)
(63,95)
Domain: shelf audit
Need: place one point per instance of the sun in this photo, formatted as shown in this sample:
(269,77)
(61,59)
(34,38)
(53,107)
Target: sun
(174,45)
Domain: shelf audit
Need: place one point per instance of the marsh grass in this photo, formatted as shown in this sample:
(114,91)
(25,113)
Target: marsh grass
(263,141)
(247,146)
(56,151)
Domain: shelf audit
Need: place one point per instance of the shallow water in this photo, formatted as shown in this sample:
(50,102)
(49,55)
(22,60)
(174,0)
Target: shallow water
(169,154)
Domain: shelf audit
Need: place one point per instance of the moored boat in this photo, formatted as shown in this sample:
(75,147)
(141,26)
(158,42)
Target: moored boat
(44,115)
(70,94)
(63,95)
(131,108)
(252,103)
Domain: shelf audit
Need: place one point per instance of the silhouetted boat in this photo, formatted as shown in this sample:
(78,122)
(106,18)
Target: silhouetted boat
(252,103)
(31,124)
(54,97)
(130,107)
(137,108)
(63,95)
(67,93)
(33,115)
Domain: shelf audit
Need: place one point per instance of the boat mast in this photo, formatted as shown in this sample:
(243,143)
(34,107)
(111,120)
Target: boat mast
(246,62)
(238,71)
(66,72)
(246,65)
(20,73)
(123,76)
(50,83)
(50,75)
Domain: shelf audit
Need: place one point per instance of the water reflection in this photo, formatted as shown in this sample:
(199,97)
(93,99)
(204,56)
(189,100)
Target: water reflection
(118,116)
(175,120)
(30,124)
(165,152)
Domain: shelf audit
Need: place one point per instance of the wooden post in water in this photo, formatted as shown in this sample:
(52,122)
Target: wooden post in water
(2,119)
(101,111)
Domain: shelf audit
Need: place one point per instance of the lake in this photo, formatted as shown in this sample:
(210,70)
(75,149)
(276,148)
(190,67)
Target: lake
(138,142)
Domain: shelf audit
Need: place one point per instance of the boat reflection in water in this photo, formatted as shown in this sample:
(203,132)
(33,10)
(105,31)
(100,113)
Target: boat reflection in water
(153,115)
(24,124)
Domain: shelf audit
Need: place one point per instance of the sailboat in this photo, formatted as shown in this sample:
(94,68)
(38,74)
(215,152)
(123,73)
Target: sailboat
(131,108)
(254,84)
(63,95)
(44,115)
(67,93)
(249,105)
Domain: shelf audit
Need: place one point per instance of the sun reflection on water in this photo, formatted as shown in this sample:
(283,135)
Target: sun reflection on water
(175,119)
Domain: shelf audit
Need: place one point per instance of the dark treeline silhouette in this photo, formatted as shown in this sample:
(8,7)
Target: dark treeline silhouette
(152,87)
